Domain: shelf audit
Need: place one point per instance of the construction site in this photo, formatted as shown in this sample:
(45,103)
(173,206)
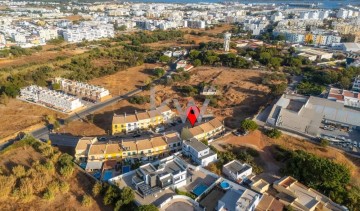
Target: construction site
(83,90)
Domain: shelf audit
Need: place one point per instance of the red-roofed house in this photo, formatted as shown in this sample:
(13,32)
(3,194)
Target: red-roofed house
(349,98)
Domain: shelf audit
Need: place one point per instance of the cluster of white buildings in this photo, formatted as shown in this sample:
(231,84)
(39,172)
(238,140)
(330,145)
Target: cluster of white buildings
(50,98)
(88,31)
(316,14)
(347,13)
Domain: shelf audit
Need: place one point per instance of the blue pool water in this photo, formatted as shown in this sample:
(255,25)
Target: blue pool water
(199,189)
(125,169)
(83,165)
(97,175)
(224,185)
(107,175)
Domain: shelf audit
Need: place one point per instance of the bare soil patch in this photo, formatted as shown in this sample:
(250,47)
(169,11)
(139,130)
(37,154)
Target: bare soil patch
(18,115)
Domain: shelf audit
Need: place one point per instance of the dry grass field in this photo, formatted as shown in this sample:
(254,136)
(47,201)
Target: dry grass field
(39,58)
(18,116)
(241,92)
(125,80)
(79,184)
(242,96)
(265,146)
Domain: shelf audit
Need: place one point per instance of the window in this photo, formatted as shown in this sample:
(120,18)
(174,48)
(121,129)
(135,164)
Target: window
(178,144)
(129,153)
(134,153)
(142,152)
(174,145)
(149,151)
(116,126)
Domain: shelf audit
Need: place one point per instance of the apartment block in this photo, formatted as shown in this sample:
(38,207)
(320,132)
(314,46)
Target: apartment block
(141,120)
(204,131)
(84,90)
(198,152)
(48,34)
(51,98)
(348,98)
(196,24)
(292,192)
(90,33)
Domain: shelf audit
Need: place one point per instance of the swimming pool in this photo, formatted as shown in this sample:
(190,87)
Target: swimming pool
(125,169)
(199,189)
(224,185)
(82,165)
(97,175)
(107,175)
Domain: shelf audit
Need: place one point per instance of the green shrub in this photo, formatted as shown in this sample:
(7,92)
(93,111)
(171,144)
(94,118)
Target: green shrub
(179,192)
(249,125)
(97,189)
(48,195)
(67,171)
(19,171)
(324,142)
(86,201)
(274,133)
(64,187)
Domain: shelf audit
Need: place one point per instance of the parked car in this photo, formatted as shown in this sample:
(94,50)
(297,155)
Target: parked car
(136,135)
(159,129)
(241,132)
(102,139)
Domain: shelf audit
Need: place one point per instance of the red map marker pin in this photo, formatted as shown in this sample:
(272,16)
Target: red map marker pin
(192,114)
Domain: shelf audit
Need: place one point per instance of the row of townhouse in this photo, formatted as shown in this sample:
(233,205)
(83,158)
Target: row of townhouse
(141,120)
(81,89)
(205,131)
(89,149)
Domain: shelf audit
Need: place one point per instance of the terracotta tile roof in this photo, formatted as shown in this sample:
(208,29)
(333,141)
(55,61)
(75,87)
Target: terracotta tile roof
(142,116)
(129,145)
(337,97)
(206,127)
(109,164)
(143,144)
(163,109)
(158,141)
(113,148)
(97,149)
(216,123)
(118,119)
(83,143)
(172,137)
(154,113)
(131,118)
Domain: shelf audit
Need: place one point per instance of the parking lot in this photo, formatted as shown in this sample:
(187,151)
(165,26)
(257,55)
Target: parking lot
(341,137)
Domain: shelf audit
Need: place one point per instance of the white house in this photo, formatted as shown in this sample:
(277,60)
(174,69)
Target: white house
(237,171)
(198,152)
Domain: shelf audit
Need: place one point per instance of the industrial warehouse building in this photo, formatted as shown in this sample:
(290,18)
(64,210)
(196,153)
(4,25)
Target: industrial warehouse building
(306,114)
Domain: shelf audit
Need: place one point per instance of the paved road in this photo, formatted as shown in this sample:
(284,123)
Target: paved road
(43,133)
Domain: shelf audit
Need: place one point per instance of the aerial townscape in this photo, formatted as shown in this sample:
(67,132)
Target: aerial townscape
(239,105)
